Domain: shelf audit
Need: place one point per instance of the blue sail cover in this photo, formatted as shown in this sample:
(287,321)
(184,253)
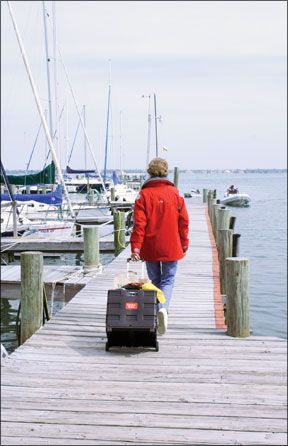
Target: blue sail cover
(54,198)
(115,178)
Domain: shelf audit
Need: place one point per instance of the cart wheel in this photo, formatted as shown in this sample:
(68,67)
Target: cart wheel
(157,347)
(107,346)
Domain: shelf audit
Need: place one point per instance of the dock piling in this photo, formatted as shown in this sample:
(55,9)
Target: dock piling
(204,195)
(31,293)
(112,192)
(223,220)
(215,208)
(237,313)
(91,248)
(224,250)
(119,231)
(209,202)
(90,196)
(232,222)
(176,176)
(77,230)
(235,245)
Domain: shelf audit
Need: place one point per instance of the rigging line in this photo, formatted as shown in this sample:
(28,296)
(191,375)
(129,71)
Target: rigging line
(8,186)
(53,137)
(75,137)
(83,126)
(28,164)
(47,68)
(81,121)
(39,106)
(107,131)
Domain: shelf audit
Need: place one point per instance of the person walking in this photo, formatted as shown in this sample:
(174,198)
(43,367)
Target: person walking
(160,232)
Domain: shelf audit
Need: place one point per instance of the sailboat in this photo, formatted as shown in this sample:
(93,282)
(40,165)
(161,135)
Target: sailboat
(41,179)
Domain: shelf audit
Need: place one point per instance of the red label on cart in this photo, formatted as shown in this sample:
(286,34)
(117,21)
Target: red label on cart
(131,306)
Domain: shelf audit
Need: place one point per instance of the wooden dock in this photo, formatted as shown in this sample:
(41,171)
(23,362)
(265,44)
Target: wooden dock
(67,244)
(64,280)
(202,387)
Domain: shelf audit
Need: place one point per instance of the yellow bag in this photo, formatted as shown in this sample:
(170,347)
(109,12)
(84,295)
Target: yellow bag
(148,286)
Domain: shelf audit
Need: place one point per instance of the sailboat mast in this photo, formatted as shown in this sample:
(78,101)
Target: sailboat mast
(57,123)
(66,133)
(81,122)
(39,107)
(48,69)
(121,141)
(149,131)
(156,134)
(107,124)
(85,147)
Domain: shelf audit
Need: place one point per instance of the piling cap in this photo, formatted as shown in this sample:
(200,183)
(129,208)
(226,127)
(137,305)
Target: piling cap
(237,259)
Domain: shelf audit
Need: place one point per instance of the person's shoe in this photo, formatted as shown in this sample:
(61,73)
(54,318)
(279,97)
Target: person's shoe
(162,318)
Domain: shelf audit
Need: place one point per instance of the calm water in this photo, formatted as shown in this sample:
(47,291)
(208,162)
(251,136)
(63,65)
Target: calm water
(263,241)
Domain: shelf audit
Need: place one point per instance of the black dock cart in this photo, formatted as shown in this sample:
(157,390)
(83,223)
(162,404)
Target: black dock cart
(131,318)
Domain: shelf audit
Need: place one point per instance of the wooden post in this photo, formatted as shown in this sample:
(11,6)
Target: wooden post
(176,176)
(112,192)
(14,210)
(215,208)
(235,245)
(224,245)
(90,196)
(223,220)
(237,314)
(78,229)
(232,222)
(204,195)
(119,231)
(11,257)
(209,199)
(212,202)
(91,247)
(31,293)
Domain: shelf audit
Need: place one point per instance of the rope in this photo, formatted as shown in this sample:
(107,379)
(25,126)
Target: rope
(46,315)
(10,246)
(18,325)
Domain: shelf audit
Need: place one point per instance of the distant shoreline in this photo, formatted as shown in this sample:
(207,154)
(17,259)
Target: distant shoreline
(222,171)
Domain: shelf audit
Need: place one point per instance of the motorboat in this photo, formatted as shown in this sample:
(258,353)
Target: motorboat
(236,199)
(125,194)
(194,193)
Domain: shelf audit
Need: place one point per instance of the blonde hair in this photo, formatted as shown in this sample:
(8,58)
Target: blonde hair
(158,167)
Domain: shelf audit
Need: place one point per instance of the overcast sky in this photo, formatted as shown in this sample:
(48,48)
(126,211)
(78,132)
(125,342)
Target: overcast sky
(218,70)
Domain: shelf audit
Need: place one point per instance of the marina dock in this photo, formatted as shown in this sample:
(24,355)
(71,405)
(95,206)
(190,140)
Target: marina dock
(64,280)
(54,245)
(203,387)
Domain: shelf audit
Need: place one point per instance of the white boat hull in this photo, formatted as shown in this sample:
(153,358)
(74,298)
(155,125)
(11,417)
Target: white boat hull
(239,200)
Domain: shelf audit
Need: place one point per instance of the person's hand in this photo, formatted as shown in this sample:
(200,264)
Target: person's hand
(135,257)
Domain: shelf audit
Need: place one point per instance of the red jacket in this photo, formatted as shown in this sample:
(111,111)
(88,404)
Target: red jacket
(160,231)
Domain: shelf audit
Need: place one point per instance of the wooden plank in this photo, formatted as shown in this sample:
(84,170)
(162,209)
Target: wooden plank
(67,244)
(153,420)
(142,435)
(150,407)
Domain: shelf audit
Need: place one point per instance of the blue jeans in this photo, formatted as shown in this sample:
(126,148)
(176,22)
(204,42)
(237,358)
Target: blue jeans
(162,275)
